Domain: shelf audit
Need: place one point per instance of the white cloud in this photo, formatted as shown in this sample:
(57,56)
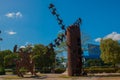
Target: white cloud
(18,14)
(10,15)
(113,36)
(14,15)
(98,40)
(11,32)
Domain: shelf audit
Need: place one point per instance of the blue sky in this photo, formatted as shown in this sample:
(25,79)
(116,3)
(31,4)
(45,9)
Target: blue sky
(30,21)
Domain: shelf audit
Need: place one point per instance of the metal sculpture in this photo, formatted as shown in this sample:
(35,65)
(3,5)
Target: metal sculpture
(0,38)
(24,61)
(74,50)
(59,39)
(72,33)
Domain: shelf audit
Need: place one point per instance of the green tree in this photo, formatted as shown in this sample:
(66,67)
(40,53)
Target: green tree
(2,55)
(44,57)
(94,62)
(110,51)
(9,59)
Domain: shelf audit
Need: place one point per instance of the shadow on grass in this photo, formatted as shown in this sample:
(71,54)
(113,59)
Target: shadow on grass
(37,77)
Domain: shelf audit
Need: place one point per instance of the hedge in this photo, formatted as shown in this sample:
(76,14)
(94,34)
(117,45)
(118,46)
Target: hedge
(59,70)
(100,70)
(2,71)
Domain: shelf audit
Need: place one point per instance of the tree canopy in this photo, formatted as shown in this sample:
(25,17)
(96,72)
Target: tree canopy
(2,56)
(110,51)
(44,56)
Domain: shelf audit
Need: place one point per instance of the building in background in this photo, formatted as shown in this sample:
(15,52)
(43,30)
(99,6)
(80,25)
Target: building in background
(93,52)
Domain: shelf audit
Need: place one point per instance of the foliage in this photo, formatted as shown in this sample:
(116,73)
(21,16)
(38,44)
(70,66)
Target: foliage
(44,57)
(60,61)
(2,71)
(9,59)
(100,70)
(118,71)
(45,70)
(2,55)
(39,49)
(23,70)
(59,70)
(94,62)
(110,51)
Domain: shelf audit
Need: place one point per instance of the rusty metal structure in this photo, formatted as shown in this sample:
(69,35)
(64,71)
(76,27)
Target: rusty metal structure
(74,51)
(72,33)
(24,62)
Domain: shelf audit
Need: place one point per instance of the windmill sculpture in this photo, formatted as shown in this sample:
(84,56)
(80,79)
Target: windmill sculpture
(72,35)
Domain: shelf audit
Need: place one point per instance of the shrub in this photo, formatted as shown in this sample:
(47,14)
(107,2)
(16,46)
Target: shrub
(45,70)
(8,70)
(23,70)
(118,71)
(2,71)
(14,71)
(59,70)
(100,70)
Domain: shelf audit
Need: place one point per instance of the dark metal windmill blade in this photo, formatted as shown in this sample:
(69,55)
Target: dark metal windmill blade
(63,27)
(54,12)
(61,39)
(51,6)
(57,43)
(15,48)
(80,20)
(63,35)
(60,22)
(57,15)
(55,40)
(52,45)
(58,38)
(1,39)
